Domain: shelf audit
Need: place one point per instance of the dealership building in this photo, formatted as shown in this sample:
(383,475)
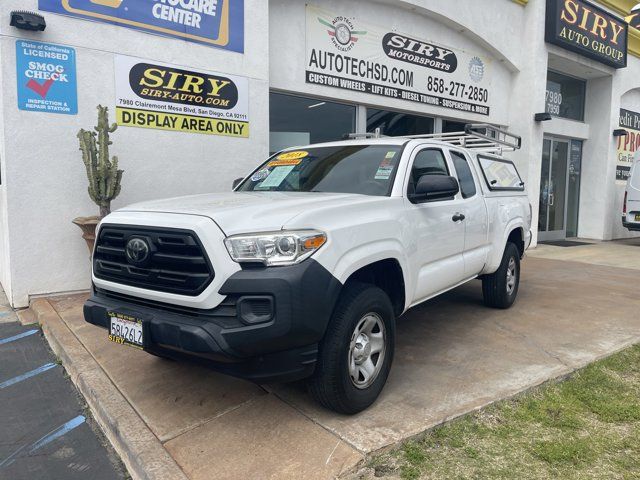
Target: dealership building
(203,90)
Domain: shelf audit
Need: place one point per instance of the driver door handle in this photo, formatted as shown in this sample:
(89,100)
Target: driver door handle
(458,217)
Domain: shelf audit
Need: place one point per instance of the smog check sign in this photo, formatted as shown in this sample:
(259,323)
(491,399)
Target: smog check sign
(46,77)
(167,97)
(217,23)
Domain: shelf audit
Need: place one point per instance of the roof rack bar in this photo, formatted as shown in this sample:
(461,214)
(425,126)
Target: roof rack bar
(375,134)
(479,136)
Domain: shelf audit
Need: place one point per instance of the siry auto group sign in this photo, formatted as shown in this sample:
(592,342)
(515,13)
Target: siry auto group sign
(586,29)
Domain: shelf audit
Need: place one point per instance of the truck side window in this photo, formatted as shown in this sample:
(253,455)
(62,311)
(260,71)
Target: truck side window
(427,162)
(465,177)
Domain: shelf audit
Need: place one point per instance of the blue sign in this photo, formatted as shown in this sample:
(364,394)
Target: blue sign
(217,23)
(46,75)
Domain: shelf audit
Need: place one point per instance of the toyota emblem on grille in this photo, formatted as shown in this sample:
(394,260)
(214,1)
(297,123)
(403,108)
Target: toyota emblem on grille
(137,251)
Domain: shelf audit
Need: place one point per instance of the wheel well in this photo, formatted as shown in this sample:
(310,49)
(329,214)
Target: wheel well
(386,275)
(517,239)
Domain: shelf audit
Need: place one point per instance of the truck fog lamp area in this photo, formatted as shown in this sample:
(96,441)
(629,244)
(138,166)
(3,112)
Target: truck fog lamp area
(277,248)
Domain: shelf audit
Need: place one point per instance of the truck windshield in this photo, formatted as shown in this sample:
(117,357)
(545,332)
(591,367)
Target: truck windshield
(361,169)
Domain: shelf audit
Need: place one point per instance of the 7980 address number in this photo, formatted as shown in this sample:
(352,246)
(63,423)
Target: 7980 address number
(457,89)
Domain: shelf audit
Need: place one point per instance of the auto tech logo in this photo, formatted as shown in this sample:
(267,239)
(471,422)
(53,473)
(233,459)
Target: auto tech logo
(342,32)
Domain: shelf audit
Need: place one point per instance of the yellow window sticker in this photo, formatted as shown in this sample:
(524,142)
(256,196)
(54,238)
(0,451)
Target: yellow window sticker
(284,162)
(295,155)
(390,155)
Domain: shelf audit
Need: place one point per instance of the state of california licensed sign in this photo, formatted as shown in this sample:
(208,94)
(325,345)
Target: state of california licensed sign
(166,97)
(217,23)
(345,52)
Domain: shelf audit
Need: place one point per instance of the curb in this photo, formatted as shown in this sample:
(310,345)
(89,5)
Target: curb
(142,453)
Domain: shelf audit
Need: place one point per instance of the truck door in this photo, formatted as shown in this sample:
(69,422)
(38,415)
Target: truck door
(473,207)
(437,233)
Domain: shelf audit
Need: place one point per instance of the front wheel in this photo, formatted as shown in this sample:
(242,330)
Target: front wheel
(356,353)
(501,288)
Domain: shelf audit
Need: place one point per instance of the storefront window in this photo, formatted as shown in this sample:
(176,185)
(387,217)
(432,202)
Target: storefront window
(565,96)
(300,121)
(395,124)
(449,126)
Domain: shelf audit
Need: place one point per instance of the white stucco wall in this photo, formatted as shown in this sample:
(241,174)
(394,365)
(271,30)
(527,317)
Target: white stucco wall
(434,23)
(45,177)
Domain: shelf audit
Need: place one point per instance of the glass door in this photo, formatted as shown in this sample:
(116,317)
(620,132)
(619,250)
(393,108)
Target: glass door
(552,224)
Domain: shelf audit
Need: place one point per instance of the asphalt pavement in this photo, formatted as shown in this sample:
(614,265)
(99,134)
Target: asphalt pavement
(45,430)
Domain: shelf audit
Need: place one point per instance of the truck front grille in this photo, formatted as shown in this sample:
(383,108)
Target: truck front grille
(175,261)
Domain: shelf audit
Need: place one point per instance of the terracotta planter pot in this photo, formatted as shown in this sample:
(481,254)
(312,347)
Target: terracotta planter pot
(88,226)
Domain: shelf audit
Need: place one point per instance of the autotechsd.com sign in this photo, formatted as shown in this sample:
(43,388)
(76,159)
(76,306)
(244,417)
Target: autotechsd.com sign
(217,23)
(156,95)
(345,52)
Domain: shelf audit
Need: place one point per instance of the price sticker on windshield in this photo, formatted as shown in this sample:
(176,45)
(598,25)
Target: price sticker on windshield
(289,158)
(285,162)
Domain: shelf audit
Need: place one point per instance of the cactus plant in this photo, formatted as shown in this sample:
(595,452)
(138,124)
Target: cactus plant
(102,172)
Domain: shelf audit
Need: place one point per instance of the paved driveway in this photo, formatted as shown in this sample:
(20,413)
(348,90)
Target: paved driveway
(453,356)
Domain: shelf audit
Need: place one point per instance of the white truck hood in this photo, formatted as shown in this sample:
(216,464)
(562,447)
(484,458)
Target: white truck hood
(246,212)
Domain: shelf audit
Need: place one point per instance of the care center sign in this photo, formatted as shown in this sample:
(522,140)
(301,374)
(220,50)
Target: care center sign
(156,95)
(218,23)
(584,28)
(347,53)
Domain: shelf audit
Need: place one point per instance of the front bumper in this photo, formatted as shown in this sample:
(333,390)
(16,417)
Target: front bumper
(631,226)
(296,303)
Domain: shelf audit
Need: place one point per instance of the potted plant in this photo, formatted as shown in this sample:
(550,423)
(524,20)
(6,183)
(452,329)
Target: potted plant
(102,172)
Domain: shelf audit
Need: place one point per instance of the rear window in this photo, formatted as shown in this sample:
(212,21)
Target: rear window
(500,174)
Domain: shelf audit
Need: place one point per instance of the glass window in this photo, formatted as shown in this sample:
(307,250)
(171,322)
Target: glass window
(573,200)
(500,174)
(465,177)
(365,170)
(449,126)
(427,162)
(565,96)
(300,121)
(395,124)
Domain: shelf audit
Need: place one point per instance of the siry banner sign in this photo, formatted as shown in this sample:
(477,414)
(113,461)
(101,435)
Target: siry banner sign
(344,52)
(629,144)
(217,23)
(166,97)
(589,30)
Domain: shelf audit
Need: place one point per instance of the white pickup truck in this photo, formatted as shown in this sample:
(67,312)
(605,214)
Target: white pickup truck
(302,270)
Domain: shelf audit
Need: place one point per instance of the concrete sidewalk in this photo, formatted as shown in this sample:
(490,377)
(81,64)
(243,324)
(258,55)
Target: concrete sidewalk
(453,356)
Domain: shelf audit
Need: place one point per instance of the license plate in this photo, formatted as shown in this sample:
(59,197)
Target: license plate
(637,217)
(125,330)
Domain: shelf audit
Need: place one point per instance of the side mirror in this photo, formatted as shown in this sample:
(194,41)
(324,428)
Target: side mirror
(434,187)
(237,182)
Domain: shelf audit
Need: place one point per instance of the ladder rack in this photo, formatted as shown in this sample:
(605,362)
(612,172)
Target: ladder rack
(481,137)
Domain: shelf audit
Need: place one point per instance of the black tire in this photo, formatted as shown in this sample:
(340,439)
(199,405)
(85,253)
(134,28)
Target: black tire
(494,286)
(332,385)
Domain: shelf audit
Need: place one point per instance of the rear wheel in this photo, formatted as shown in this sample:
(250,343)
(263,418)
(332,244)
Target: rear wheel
(501,288)
(356,353)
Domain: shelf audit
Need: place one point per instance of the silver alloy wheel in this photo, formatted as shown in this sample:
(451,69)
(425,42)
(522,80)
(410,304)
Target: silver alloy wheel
(367,350)
(511,276)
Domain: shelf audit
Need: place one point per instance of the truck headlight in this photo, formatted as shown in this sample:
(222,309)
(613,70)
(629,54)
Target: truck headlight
(277,248)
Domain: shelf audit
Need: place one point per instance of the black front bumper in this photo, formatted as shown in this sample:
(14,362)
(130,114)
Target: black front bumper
(295,304)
